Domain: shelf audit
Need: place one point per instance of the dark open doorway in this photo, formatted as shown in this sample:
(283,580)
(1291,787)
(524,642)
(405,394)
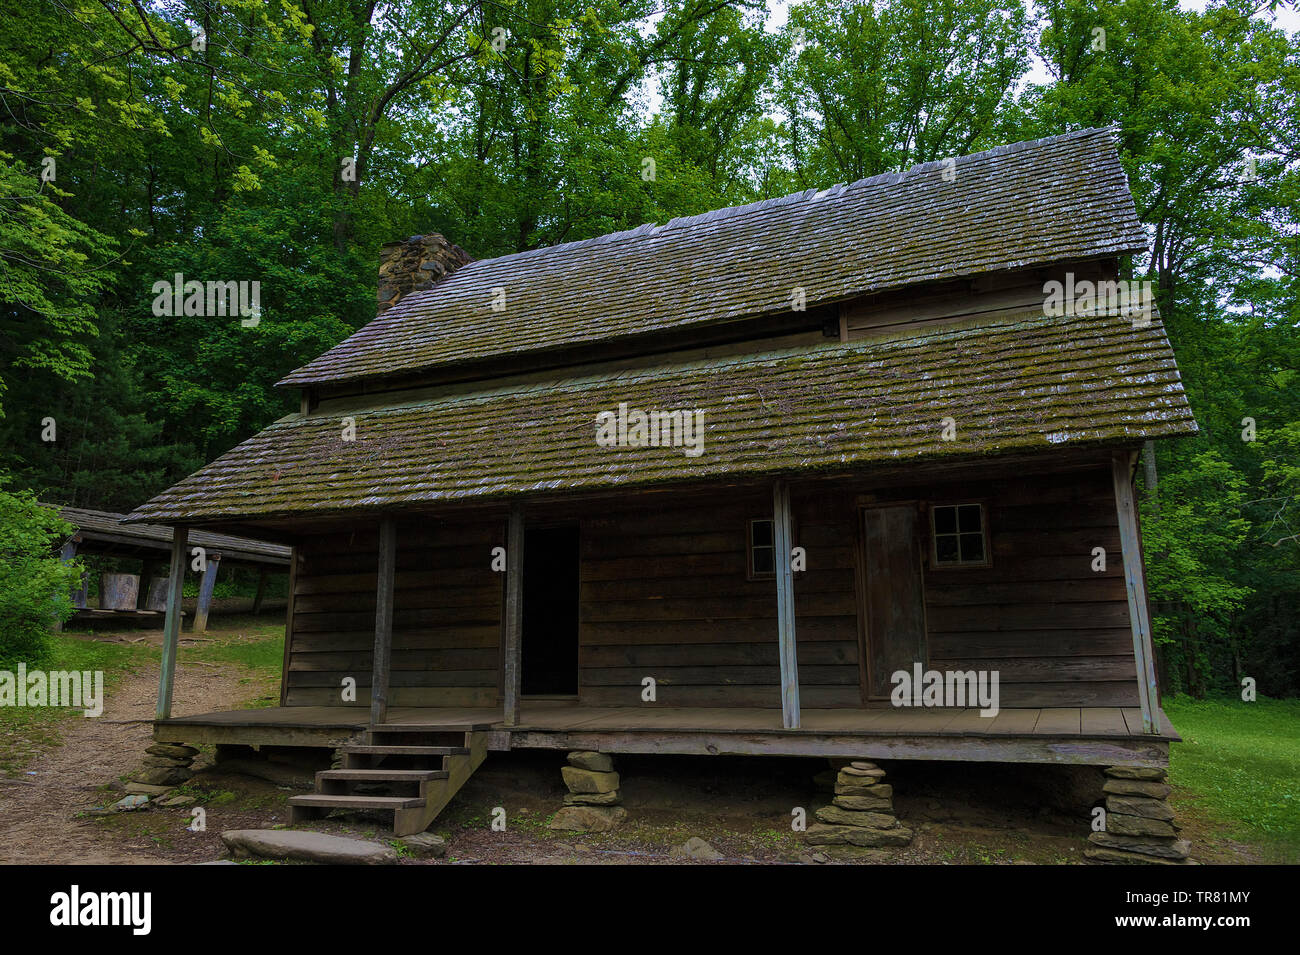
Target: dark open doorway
(550,635)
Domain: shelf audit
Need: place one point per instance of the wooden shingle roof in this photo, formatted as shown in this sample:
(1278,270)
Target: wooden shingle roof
(1019,383)
(105,528)
(1032,203)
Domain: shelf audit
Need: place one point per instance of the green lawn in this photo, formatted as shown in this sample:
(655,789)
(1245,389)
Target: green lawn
(1241,762)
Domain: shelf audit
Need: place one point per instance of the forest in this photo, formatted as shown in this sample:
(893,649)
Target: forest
(284,142)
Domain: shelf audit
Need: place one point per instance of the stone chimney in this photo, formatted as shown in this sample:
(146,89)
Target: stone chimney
(415,264)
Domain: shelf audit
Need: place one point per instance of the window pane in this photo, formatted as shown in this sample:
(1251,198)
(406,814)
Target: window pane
(764,560)
(970,518)
(945,546)
(945,520)
(762,532)
(972,548)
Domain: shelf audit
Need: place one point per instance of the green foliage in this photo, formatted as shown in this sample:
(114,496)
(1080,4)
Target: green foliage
(297,138)
(35,585)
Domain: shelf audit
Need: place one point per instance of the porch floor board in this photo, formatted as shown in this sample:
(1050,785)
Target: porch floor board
(550,716)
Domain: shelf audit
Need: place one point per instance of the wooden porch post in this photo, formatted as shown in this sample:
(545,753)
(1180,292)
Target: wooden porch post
(512,625)
(1135,583)
(210,564)
(172,622)
(782,538)
(383,622)
(261,589)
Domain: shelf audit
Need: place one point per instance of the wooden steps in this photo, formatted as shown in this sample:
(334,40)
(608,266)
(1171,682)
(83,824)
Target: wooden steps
(406,750)
(348,801)
(375,775)
(411,770)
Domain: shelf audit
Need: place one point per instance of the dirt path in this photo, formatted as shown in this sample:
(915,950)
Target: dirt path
(38,813)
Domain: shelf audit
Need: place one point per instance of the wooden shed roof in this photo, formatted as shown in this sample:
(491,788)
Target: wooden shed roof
(1032,203)
(1019,383)
(105,531)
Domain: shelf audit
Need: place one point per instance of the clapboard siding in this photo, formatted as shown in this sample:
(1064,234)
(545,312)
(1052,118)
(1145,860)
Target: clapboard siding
(665,594)
(1056,631)
(446,617)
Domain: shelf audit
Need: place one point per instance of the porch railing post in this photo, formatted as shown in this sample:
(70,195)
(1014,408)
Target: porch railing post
(383,622)
(1135,584)
(172,622)
(783,539)
(210,564)
(513,624)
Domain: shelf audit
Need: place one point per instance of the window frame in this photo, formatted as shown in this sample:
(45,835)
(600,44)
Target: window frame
(750,572)
(933,548)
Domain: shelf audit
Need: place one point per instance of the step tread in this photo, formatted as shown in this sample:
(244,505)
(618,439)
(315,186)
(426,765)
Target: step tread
(382,775)
(384,749)
(357,802)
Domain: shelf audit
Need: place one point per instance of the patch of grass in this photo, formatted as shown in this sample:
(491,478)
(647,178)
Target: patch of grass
(1241,763)
(28,731)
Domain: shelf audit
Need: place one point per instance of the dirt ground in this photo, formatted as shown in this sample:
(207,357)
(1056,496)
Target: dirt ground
(961,813)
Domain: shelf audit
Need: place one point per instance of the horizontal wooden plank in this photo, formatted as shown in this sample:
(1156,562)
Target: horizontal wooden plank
(476,659)
(812,696)
(715,654)
(397,696)
(402,619)
(978,644)
(1071,616)
(429,638)
(718,608)
(1046,669)
(1123,693)
(953,591)
(816,580)
(334,678)
(807,629)
(716,675)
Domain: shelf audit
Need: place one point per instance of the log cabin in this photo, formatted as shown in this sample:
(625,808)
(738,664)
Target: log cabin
(710,487)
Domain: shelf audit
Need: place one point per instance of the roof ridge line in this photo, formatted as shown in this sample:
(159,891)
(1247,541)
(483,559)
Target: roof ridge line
(812,193)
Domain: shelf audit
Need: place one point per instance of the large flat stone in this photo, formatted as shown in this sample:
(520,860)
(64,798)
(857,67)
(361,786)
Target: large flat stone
(592,799)
(1136,787)
(1146,845)
(837,816)
(588,781)
(596,762)
(820,834)
(163,776)
(1148,773)
(880,790)
(588,818)
(861,803)
(175,750)
(1125,825)
(1143,806)
(294,846)
(1121,857)
(879,838)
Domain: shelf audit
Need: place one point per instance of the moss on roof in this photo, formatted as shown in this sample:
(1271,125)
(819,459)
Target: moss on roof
(1021,383)
(1032,203)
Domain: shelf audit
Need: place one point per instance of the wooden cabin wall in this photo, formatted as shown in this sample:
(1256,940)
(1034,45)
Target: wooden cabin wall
(446,620)
(665,594)
(1057,632)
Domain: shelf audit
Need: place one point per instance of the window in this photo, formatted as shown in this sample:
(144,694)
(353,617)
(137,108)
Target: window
(958,532)
(762,549)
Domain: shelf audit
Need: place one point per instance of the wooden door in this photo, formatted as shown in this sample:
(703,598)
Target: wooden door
(893,593)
